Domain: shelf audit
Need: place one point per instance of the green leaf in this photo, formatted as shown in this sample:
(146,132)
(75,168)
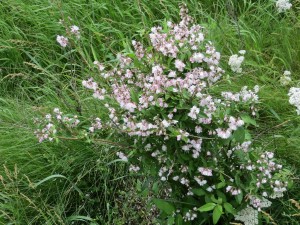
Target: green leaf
(220,185)
(229,208)
(207,207)
(239,134)
(179,220)
(49,178)
(134,96)
(198,191)
(214,199)
(139,186)
(247,119)
(171,220)
(218,210)
(155,187)
(222,196)
(274,113)
(79,218)
(165,206)
(239,198)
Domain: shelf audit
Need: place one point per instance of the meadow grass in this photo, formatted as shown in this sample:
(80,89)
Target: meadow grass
(37,75)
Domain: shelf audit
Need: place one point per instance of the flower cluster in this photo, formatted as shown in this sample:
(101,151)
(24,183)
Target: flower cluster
(235,61)
(75,30)
(72,30)
(248,215)
(190,215)
(193,140)
(283,5)
(51,123)
(294,94)
(63,41)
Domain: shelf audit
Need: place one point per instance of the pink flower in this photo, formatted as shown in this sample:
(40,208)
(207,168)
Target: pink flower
(63,41)
(205,171)
(179,65)
(75,31)
(194,112)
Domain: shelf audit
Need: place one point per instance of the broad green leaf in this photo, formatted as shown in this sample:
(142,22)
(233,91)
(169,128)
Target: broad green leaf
(214,199)
(155,187)
(220,185)
(229,208)
(222,195)
(165,206)
(179,220)
(218,210)
(239,198)
(134,96)
(198,191)
(171,220)
(247,119)
(239,134)
(207,207)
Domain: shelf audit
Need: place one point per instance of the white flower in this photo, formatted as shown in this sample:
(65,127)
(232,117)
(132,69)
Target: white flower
(242,52)
(283,5)
(122,156)
(165,123)
(194,112)
(205,171)
(223,133)
(133,168)
(100,66)
(179,65)
(248,215)
(75,30)
(294,94)
(172,74)
(235,63)
(63,41)
(198,129)
(287,73)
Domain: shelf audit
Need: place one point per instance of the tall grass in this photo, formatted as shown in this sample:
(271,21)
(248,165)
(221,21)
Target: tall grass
(36,75)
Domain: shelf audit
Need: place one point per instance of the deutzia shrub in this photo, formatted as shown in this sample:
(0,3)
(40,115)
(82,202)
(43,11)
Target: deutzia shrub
(191,139)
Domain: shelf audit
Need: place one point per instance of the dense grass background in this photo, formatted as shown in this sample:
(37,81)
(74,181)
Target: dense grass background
(74,182)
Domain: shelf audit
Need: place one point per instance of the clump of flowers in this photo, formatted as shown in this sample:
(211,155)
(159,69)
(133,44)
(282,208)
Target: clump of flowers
(236,60)
(75,30)
(285,79)
(63,41)
(71,31)
(190,138)
(294,94)
(283,5)
(52,122)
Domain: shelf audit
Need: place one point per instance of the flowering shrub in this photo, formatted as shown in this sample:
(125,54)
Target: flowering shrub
(180,130)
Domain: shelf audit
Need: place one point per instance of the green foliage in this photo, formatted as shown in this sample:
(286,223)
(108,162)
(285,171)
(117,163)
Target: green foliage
(37,76)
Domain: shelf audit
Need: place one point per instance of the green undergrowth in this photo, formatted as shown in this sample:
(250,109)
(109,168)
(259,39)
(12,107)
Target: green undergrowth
(73,181)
